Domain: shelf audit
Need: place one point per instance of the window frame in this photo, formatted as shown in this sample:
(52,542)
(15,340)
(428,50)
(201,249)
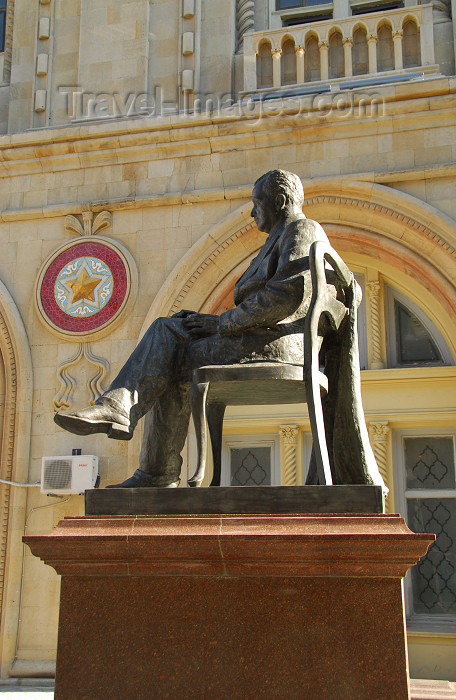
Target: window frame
(246,441)
(3,11)
(419,622)
(391,295)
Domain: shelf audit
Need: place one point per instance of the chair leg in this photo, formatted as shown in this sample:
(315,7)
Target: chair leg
(215,413)
(198,394)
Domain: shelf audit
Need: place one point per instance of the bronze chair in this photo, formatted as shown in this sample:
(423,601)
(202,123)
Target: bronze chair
(269,383)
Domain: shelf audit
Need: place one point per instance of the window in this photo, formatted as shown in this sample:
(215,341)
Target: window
(428,503)
(264,65)
(336,56)
(288,63)
(385,48)
(411,45)
(251,460)
(288,4)
(412,337)
(360,52)
(2,24)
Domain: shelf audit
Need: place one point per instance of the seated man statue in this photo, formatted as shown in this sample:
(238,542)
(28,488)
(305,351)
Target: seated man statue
(271,299)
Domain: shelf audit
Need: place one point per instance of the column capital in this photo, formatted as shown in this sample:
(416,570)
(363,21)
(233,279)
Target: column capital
(380,431)
(288,433)
(300,49)
(373,288)
(323,45)
(347,41)
(276,53)
(398,33)
(372,39)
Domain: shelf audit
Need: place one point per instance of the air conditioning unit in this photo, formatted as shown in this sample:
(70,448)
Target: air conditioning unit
(73,474)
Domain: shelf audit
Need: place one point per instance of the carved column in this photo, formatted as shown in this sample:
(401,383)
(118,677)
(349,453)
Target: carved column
(245,16)
(373,297)
(324,59)
(398,59)
(348,46)
(372,48)
(276,56)
(300,51)
(288,442)
(380,434)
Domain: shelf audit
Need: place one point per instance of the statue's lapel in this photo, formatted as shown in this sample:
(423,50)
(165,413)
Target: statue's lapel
(265,250)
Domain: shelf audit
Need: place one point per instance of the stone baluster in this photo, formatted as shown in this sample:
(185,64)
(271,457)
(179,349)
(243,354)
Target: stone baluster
(380,435)
(276,60)
(348,46)
(373,300)
(398,59)
(324,60)
(288,440)
(372,48)
(300,51)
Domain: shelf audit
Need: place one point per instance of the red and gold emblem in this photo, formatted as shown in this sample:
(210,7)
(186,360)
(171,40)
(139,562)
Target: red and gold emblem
(84,286)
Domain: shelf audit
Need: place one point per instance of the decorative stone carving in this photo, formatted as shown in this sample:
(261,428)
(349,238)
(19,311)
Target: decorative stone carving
(63,398)
(90,225)
(288,436)
(245,20)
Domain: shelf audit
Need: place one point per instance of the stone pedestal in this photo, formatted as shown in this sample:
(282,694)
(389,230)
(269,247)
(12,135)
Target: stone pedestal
(227,606)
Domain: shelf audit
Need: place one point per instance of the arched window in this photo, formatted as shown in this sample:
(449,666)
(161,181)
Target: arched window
(360,52)
(288,63)
(312,60)
(264,65)
(411,45)
(385,48)
(412,337)
(336,56)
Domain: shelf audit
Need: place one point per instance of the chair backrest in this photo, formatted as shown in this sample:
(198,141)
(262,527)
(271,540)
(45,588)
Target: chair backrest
(322,302)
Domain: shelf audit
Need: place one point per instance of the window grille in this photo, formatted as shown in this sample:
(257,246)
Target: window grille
(428,503)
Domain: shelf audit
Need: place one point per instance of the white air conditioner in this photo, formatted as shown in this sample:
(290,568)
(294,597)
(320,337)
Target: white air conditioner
(73,474)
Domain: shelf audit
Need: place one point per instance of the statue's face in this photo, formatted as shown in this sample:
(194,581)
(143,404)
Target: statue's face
(264,210)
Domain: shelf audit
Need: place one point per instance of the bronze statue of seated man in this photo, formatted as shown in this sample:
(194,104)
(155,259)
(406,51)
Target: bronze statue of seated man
(271,299)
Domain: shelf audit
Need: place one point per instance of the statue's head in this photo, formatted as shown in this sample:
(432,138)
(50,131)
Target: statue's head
(275,195)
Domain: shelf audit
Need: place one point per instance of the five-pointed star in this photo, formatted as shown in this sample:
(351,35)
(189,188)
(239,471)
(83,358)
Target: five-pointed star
(83,286)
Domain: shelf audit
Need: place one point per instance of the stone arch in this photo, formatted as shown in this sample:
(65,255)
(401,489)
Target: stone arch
(18,378)
(406,233)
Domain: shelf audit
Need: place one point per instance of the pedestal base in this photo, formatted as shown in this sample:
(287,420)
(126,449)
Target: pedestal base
(252,606)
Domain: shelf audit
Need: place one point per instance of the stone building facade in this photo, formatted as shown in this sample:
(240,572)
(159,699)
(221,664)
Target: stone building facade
(131,135)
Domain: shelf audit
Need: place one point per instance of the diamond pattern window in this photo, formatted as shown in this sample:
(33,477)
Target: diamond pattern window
(429,505)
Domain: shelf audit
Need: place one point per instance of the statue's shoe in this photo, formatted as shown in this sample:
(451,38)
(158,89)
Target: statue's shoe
(140,479)
(100,418)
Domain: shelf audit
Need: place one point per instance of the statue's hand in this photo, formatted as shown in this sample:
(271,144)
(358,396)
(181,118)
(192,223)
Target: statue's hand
(183,313)
(201,324)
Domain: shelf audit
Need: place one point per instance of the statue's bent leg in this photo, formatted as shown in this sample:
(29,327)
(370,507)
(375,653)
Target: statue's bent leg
(141,381)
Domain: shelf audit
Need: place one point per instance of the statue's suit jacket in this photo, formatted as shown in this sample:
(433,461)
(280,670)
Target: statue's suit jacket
(271,300)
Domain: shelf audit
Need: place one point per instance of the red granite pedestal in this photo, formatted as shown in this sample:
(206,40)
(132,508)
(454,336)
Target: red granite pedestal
(251,606)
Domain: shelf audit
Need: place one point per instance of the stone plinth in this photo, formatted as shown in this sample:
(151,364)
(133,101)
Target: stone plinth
(226,606)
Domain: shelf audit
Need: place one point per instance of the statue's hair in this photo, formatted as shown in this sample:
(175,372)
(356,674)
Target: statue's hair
(283,182)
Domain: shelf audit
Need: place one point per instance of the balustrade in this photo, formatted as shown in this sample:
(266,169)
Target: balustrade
(377,36)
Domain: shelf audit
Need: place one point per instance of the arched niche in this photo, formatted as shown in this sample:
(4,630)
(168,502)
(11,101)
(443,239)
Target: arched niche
(384,224)
(17,380)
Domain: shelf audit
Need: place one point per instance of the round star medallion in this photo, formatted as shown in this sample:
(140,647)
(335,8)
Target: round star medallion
(84,286)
